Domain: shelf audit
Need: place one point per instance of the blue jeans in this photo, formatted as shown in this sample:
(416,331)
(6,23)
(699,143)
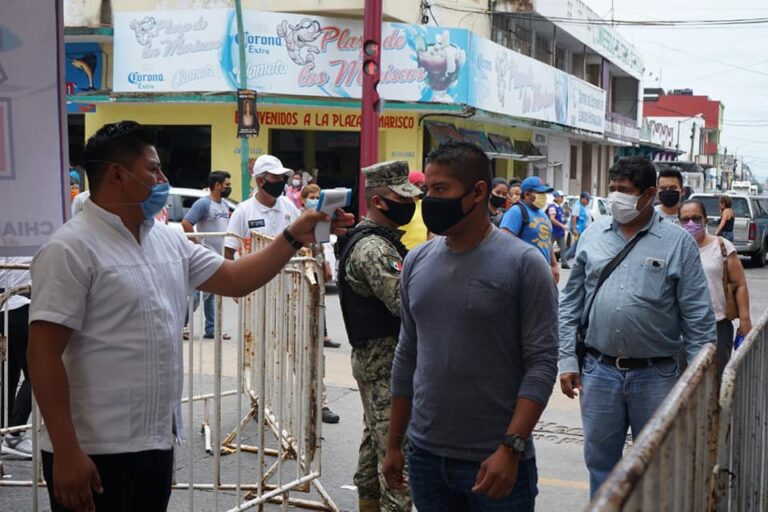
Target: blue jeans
(440,484)
(209,310)
(728,235)
(612,401)
(572,249)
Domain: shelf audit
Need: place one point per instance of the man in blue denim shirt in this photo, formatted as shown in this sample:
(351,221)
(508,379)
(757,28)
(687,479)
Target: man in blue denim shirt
(651,306)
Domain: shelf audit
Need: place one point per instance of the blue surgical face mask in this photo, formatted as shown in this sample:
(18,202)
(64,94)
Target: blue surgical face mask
(311,204)
(157,199)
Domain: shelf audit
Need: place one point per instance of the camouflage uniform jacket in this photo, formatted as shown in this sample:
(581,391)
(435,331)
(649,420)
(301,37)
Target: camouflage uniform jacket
(373,269)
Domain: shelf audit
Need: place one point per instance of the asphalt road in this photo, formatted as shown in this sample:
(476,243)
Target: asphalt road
(562,475)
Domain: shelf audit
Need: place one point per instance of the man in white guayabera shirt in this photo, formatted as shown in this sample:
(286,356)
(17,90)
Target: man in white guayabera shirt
(108,301)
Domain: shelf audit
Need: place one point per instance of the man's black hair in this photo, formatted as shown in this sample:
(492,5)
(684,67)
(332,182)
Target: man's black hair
(119,142)
(464,161)
(637,169)
(671,172)
(217,177)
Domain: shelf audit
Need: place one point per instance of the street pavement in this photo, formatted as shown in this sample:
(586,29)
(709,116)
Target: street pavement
(562,475)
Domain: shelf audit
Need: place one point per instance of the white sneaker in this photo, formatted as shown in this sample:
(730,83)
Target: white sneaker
(17,447)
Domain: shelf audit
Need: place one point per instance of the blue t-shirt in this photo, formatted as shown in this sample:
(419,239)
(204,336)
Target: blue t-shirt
(538,232)
(556,209)
(582,214)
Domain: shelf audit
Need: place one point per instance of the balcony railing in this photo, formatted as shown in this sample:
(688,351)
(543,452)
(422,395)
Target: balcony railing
(621,127)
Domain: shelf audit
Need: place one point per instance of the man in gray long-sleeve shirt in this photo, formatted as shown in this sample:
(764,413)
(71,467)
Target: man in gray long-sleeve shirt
(476,360)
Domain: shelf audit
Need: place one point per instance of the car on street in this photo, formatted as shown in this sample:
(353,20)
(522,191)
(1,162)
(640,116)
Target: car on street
(598,207)
(750,230)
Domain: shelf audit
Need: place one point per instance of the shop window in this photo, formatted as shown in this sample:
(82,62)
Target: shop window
(543,49)
(185,154)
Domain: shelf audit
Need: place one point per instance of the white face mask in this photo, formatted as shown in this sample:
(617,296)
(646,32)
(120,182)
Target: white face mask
(623,207)
(296,183)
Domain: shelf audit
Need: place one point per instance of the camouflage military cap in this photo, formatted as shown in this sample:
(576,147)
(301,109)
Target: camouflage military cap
(393,175)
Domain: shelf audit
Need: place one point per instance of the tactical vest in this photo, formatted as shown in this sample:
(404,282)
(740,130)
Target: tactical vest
(364,317)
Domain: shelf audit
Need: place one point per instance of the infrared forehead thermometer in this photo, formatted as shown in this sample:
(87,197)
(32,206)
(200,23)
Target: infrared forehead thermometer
(330,201)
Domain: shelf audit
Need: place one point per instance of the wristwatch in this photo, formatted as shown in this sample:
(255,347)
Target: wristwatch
(515,443)
(291,240)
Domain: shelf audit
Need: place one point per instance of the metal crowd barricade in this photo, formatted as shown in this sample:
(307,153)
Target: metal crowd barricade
(279,374)
(742,468)
(669,466)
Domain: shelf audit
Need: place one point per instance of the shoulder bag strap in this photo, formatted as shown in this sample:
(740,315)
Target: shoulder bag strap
(609,268)
(724,253)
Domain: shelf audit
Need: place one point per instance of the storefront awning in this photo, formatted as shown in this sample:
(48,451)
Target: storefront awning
(478,138)
(443,132)
(503,147)
(528,151)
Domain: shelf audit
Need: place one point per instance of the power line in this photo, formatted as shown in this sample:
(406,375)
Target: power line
(599,21)
(735,66)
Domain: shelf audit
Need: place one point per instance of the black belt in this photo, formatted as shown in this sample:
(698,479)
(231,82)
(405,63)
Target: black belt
(628,363)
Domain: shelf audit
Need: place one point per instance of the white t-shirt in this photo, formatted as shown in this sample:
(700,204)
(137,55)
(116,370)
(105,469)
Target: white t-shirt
(712,261)
(674,219)
(13,279)
(125,303)
(251,215)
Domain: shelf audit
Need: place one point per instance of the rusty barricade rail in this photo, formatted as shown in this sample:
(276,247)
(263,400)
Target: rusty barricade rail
(669,466)
(742,468)
(273,447)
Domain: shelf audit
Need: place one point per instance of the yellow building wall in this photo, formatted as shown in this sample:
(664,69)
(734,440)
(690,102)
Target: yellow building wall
(399,138)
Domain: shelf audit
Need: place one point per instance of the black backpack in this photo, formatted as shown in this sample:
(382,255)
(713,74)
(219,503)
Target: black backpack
(526,217)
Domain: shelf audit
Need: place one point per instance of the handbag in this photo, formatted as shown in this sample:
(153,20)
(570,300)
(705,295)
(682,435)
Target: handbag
(581,330)
(731,306)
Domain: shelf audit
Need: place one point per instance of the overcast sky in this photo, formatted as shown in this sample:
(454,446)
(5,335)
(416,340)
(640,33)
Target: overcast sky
(708,60)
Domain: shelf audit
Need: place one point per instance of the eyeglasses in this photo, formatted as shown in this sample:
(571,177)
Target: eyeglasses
(698,219)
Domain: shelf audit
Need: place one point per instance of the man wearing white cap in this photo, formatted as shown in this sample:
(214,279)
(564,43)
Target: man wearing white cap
(268,211)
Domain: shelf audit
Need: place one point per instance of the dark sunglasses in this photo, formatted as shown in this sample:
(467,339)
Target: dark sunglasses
(698,219)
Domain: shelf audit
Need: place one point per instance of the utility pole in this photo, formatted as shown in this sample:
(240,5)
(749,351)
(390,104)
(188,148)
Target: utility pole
(371,102)
(245,151)
(693,136)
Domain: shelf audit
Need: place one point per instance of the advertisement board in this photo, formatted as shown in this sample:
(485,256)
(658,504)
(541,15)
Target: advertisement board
(32,128)
(295,54)
(83,68)
(511,83)
(304,55)
(574,17)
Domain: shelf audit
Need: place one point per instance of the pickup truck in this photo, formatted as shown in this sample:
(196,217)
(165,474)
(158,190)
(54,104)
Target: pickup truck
(750,230)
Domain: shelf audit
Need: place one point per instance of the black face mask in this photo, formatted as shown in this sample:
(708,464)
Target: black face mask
(497,201)
(441,214)
(399,213)
(274,188)
(226,191)
(669,198)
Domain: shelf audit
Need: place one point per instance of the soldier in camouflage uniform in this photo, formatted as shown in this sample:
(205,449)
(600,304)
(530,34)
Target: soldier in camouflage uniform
(370,260)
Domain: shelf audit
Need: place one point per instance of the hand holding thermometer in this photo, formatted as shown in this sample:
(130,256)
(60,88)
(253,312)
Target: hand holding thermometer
(330,201)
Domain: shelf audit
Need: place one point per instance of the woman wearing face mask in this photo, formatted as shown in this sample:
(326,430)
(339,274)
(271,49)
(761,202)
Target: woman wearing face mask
(693,218)
(497,200)
(295,186)
(725,229)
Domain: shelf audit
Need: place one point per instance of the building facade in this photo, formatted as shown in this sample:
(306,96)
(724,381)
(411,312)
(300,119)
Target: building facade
(547,101)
